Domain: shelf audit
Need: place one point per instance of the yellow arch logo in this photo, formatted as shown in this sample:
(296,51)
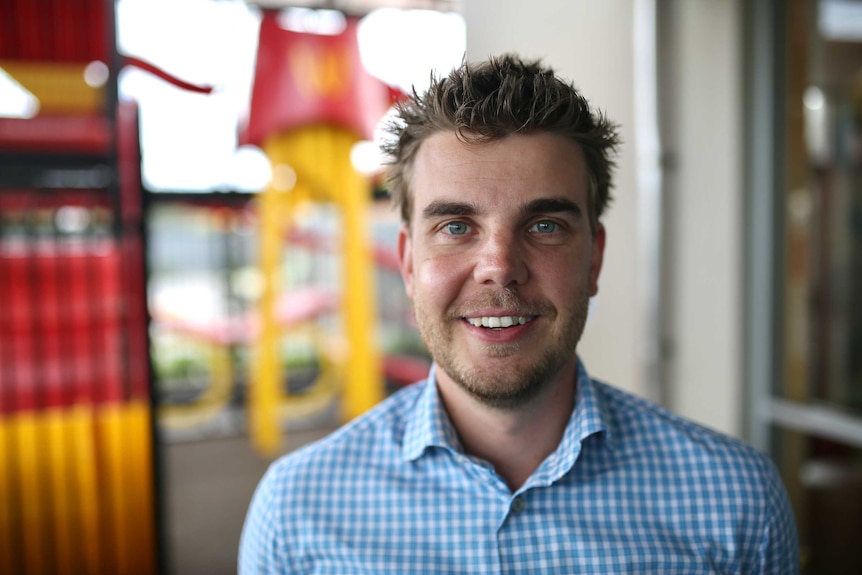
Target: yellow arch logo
(320,73)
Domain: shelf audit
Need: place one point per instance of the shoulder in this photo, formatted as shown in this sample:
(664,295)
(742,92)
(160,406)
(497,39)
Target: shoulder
(306,488)
(640,428)
(373,438)
(705,472)
(718,493)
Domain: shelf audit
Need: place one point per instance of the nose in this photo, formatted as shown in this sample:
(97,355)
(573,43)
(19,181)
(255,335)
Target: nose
(500,260)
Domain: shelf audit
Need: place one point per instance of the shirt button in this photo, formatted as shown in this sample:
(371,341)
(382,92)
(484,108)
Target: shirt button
(518,504)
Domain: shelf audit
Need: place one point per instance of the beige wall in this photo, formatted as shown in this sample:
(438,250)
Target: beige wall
(707,263)
(591,43)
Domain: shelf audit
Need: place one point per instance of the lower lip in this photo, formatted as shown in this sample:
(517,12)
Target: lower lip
(502,335)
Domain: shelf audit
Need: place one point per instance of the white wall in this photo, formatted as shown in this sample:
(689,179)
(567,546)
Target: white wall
(591,43)
(706,275)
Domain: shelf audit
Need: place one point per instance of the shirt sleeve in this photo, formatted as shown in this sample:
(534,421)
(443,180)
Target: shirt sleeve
(780,543)
(260,548)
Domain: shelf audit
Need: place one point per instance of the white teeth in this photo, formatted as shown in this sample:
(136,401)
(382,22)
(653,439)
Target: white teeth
(498,322)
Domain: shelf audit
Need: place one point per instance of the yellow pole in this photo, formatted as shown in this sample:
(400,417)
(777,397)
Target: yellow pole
(57,423)
(320,158)
(87,484)
(138,467)
(364,387)
(267,375)
(115,526)
(30,471)
(7,498)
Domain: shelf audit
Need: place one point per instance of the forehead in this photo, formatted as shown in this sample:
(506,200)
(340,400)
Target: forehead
(518,168)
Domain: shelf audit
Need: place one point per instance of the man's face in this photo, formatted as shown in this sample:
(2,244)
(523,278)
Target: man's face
(500,262)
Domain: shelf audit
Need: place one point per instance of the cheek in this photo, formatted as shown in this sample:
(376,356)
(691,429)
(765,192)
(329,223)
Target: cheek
(562,279)
(439,279)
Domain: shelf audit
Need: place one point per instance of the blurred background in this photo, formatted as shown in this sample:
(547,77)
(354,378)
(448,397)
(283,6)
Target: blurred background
(197,266)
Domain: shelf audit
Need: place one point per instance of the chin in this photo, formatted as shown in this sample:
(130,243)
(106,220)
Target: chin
(506,387)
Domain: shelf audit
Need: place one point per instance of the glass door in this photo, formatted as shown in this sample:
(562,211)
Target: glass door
(805,266)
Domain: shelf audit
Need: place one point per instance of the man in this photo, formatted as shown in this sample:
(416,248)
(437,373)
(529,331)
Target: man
(509,458)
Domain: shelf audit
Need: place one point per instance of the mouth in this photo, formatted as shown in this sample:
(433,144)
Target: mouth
(499,322)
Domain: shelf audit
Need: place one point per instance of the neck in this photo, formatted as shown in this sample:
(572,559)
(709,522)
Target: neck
(515,441)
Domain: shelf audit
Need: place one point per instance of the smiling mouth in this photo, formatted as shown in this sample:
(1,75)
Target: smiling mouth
(499,322)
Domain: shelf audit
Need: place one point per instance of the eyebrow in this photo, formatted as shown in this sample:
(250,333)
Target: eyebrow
(551,205)
(446,208)
(441,208)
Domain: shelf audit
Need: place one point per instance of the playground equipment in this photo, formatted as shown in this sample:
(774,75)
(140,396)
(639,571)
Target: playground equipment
(206,315)
(312,101)
(77,490)
(320,158)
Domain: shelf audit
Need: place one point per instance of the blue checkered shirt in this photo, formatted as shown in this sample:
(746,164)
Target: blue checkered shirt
(631,488)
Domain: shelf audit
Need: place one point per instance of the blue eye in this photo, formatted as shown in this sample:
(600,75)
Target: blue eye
(544,227)
(456,228)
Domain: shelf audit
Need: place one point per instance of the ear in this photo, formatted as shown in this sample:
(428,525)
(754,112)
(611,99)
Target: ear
(596,258)
(405,258)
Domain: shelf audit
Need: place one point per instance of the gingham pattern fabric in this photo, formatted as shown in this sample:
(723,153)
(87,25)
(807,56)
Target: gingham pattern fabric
(630,489)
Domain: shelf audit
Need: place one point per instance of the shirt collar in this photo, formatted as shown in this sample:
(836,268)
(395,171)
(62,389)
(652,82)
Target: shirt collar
(589,417)
(591,411)
(429,425)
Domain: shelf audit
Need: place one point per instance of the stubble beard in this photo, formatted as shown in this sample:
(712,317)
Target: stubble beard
(520,381)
